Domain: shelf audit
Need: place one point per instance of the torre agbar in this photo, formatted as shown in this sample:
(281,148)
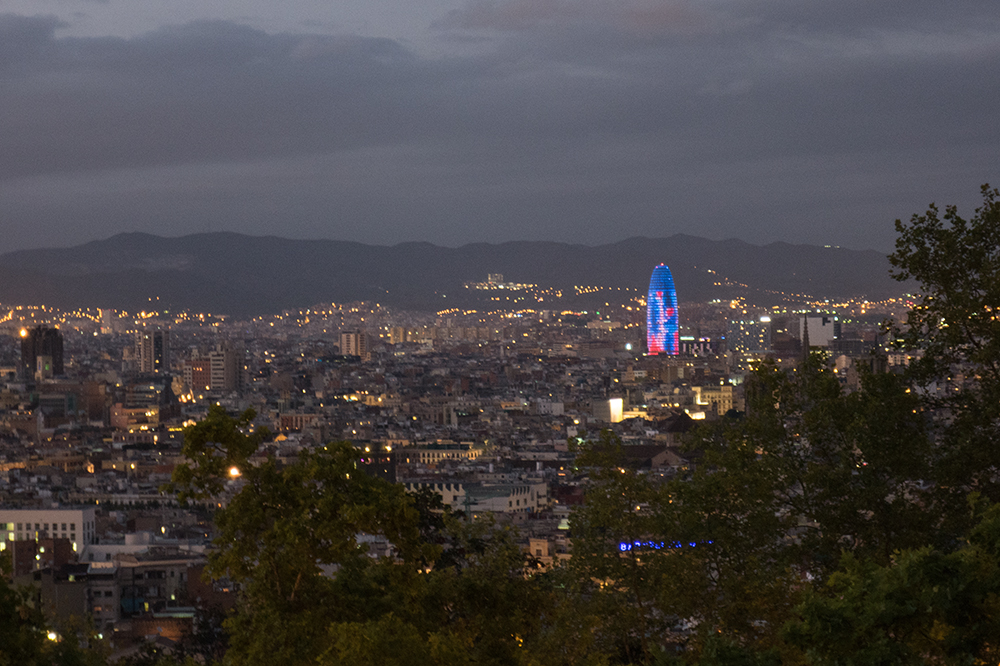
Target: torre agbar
(662,321)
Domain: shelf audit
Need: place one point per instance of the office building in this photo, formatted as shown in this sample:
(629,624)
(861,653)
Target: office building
(221,370)
(45,343)
(198,375)
(77,525)
(823,329)
(749,335)
(152,351)
(662,319)
(225,367)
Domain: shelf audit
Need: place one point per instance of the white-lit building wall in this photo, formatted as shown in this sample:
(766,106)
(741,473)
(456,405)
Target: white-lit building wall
(822,330)
(77,525)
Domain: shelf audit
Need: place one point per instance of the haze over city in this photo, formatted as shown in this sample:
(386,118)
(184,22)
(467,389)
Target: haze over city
(456,121)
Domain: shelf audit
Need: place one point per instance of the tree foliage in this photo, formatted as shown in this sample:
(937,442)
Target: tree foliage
(22,628)
(212,447)
(925,606)
(777,496)
(295,538)
(956,263)
(954,332)
(26,639)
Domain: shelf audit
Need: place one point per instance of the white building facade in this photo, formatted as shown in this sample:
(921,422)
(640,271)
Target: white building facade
(75,524)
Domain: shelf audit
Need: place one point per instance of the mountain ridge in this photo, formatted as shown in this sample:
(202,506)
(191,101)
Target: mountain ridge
(241,274)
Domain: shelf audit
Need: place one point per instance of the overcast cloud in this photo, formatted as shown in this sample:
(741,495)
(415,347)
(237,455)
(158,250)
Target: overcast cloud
(457,121)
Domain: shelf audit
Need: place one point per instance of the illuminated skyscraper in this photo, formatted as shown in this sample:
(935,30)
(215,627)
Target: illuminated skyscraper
(662,320)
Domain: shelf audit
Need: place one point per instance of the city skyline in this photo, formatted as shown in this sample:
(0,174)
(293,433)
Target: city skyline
(516,479)
(460,121)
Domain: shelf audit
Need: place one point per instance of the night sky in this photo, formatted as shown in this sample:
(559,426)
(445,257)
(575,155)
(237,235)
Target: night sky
(457,121)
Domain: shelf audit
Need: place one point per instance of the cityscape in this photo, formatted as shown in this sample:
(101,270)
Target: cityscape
(485,411)
(499,333)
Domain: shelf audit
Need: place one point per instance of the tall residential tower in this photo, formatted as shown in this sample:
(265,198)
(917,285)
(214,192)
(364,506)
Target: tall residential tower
(152,351)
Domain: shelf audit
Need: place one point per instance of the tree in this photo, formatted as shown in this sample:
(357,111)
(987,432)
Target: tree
(285,529)
(956,263)
(615,547)
(212,448)
(954,328)
(924,607)
(726,551)
(293,538)
(26,639)
(22,628)
(934,600)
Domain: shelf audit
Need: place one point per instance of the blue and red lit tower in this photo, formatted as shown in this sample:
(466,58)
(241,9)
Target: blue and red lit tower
(662,321)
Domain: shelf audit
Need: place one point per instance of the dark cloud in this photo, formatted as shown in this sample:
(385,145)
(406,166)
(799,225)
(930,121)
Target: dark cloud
(23,38)
(643,17)
(204,91)
(810,122)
